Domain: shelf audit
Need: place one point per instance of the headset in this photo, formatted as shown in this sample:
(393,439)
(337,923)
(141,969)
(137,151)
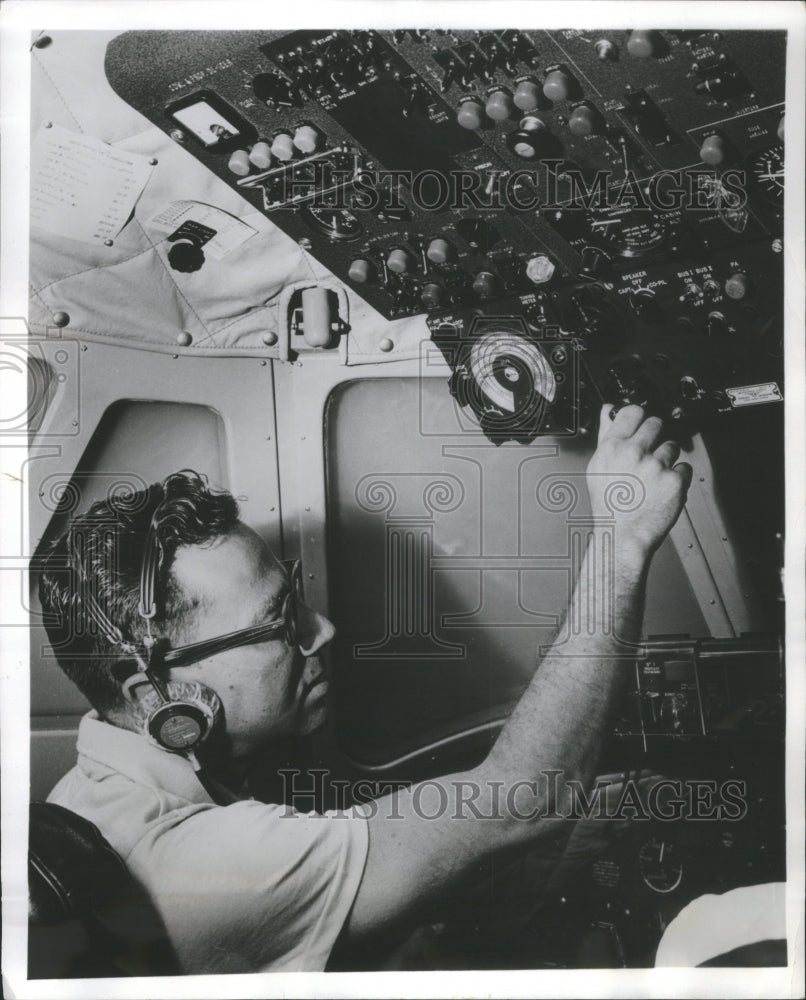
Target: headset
(179,716)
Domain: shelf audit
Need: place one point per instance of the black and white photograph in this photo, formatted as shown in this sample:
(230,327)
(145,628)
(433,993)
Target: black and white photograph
(403,499)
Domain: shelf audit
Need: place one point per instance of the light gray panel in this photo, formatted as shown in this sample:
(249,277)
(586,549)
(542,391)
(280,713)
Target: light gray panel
(450,563)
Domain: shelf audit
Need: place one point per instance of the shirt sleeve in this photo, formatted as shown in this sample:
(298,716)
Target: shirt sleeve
(252,887)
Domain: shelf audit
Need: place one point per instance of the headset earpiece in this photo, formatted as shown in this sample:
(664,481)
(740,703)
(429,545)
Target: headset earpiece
(179,726)
(180,722)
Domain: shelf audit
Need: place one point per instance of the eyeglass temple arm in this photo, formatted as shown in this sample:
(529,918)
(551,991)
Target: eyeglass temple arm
(196,651)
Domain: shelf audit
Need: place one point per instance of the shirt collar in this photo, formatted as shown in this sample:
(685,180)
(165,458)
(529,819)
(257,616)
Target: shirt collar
(132,755)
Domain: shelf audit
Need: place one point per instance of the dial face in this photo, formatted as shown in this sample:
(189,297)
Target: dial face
(510,371)
(767,171)
(631,232)
(660,865)
(336,224)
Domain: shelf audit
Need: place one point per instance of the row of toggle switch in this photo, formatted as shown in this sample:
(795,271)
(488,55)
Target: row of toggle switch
(283,147)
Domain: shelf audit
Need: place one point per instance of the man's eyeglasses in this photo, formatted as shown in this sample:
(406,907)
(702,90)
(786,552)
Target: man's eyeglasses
(285,625)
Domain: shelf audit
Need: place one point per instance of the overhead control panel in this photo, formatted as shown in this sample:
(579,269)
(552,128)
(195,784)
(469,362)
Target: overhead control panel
(621,191)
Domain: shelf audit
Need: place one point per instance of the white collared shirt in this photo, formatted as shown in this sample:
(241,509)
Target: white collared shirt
(248,887)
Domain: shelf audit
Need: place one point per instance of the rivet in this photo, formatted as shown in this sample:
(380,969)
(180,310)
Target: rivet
(270,339)
(310,576)
(47,124)
(43,41)
(153,161)
(263,364)
(712,601)
(177,135)
(61,318)
(702,479)
(109,243)
(307,508)
(74,423)
(302,438)
(386,345)
(271,508)
(174,356)
(83,347)
(184,339)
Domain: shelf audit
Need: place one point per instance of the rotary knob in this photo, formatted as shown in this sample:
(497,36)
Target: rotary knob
(471,113)
(643,44)
(484,284)
(715,150)
(584,120)
(499,105)
(260,155)
(360,271)
(432,295)
(737,286)
(238,163)
(282,146)
(558,85)
(306,139)
(526,96)
(398,261)
(439,251)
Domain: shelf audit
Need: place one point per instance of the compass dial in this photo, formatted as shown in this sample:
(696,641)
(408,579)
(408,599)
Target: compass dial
(336,224)
(767,171)
(630,232)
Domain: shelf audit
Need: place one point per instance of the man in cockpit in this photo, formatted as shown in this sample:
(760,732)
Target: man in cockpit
(197,652)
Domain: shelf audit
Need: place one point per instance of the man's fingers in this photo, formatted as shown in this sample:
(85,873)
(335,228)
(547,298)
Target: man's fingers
(684,470)
(624,424)
(668,453)
(649,432)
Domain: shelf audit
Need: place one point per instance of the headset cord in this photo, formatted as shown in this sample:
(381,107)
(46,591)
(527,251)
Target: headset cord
(220,794)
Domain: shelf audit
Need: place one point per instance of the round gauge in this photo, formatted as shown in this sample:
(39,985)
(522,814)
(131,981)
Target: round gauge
(631,232)
(510,372)
(767,171)
(336,224)
(660,865)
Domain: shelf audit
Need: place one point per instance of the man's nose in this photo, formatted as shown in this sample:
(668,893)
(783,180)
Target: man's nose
(313,630)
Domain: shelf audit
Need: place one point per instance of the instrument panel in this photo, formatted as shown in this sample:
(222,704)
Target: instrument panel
(619,190)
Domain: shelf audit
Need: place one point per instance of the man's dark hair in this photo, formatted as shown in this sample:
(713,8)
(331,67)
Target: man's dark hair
(102,551)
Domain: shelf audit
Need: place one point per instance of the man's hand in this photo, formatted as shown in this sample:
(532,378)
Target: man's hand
(633,480)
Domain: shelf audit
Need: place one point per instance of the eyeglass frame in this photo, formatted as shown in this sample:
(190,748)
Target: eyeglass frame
(183,656)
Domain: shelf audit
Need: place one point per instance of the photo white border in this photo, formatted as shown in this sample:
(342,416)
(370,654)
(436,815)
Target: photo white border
(18,18)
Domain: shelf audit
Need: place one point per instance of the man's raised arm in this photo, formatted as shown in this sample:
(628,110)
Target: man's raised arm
(560,721)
